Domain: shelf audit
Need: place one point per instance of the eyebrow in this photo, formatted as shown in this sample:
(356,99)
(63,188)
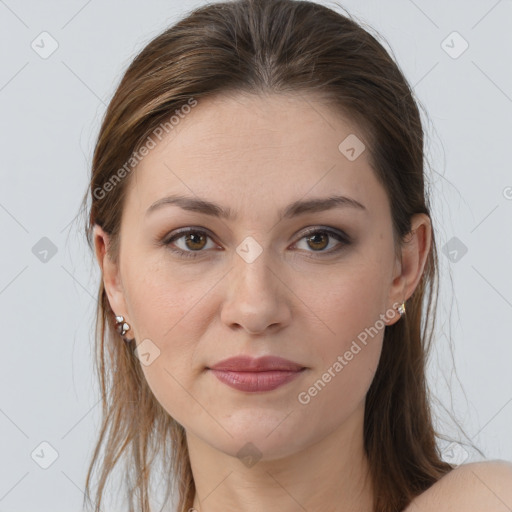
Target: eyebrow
(294,209)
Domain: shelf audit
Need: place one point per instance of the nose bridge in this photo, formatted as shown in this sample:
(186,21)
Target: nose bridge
(253,273)
(255,298)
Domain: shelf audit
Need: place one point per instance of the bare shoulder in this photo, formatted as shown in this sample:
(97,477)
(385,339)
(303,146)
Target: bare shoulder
(473,487)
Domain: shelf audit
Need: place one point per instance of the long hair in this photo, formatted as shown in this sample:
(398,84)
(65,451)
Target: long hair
(268,46)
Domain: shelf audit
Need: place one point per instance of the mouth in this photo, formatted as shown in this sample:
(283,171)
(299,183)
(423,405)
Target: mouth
(266,373)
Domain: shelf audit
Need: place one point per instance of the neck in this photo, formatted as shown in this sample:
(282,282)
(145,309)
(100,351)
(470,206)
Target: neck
(330,475)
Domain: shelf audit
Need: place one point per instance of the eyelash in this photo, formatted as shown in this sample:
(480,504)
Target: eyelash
(339,235)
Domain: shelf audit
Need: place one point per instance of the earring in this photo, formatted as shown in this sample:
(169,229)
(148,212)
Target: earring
(401,309)
(122,327)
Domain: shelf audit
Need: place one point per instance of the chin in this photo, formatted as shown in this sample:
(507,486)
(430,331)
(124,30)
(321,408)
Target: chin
(262,436)
(255,448)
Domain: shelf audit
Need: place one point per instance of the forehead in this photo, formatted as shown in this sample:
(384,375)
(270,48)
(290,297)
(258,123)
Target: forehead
(247,150)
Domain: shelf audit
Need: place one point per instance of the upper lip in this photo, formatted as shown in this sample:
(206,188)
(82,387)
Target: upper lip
(259,364)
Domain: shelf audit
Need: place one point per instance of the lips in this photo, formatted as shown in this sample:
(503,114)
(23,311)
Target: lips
(265,373)
(260,364)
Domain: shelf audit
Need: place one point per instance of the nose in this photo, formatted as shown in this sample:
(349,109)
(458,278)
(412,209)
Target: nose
(257,298)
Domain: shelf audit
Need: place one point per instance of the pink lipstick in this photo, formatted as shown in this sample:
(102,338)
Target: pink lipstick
(265,373)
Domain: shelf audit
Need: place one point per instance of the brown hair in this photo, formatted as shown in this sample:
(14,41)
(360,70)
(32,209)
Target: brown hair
(269,46)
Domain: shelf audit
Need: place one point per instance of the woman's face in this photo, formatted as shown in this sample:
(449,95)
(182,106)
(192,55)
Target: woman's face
(256,283)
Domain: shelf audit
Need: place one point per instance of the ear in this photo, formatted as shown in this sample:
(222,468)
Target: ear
(414,253)
(110,272)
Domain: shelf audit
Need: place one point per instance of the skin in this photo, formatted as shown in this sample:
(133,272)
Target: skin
(255,155)
(472,487)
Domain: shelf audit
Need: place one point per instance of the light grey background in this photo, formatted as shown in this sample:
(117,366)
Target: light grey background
(51,109)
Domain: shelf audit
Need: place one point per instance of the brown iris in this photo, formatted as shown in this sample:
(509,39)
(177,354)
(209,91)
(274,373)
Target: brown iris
(195,239)
(316,237)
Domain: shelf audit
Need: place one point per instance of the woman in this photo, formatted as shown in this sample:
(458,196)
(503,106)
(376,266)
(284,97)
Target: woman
(259,216)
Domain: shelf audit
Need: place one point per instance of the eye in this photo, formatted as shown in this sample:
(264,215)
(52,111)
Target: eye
(193,241)
(318,239)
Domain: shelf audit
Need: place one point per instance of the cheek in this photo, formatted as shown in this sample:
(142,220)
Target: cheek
(160,301)
(349,337)
(165,318)
(348,302)
(332,396)
(347,354)
(169,382)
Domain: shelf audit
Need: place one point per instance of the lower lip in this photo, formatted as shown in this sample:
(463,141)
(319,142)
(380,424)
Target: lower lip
(255,381)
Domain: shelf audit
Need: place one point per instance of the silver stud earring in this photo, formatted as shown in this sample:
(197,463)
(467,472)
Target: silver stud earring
(401,309)
(122,327)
